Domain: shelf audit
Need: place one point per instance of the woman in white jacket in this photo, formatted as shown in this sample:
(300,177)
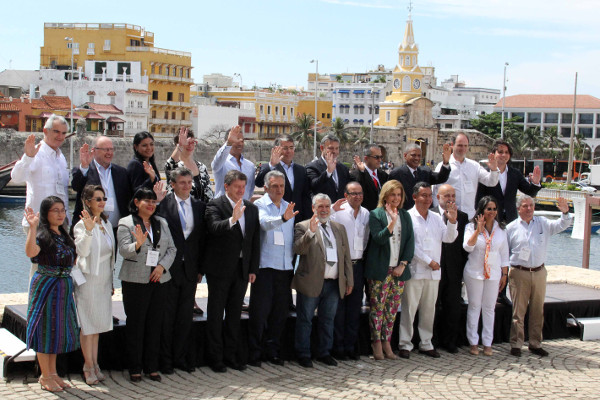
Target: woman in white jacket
(95,245)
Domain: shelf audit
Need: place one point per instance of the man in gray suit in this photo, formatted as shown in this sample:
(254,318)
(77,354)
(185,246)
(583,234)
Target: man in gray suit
(324,275)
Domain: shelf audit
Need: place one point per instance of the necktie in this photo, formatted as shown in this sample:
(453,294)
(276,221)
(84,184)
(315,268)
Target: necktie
(182,214)
(375,181)
(488,245)
(415,173)
(327,241)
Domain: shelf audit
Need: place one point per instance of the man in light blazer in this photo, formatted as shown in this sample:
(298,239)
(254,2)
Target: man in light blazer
(185,216)
(326,174)
(231,261)
(324,275)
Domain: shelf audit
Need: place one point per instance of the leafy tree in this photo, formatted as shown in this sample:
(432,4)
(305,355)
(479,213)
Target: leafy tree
(338,78)
(491,124)
(514,137)
(362,137)
(532,139)
(303,130)
(553,145)
(339,129)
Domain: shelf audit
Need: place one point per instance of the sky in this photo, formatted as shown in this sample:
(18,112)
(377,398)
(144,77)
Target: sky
(545,42)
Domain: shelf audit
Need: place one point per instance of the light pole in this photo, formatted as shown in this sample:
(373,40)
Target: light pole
(316,87)
(70,39)
(241,82)
(372,114)
(503,99)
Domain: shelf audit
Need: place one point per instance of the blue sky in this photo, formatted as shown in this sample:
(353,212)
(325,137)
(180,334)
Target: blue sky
(272,41)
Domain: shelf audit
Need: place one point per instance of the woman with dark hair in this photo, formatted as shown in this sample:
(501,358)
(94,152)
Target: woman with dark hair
(486,271)
(183,156)
(148,251)
(142,170)
(51,316)
(96,259)
(391,249)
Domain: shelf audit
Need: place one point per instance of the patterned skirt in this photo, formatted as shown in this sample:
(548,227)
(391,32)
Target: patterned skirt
(51,316)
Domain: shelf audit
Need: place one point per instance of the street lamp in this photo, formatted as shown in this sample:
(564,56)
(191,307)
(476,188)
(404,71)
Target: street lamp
(503,99)
(372,114)
(316,87)
(241,82)
(70,39)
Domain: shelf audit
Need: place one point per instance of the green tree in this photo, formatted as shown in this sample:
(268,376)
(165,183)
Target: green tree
(553,145)
(361,138)
(338,78)
(514,137)
(491,124)
(532,139)
(303,130)
(339,129)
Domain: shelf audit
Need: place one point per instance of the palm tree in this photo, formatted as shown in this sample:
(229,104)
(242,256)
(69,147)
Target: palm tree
(514,137)
(303,130)
(361,139)
(553,144)
(532,139)
(339,129)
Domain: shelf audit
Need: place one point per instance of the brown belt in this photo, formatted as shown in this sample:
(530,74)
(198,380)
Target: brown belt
(522,268)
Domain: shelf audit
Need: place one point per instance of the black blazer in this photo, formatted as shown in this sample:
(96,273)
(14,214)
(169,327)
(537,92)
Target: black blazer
(424,174)
(301,193)
(138,177)
(507,201)
(120,182)
(191,249)
(224,243)
(454,256)
(320,183)
(370,192)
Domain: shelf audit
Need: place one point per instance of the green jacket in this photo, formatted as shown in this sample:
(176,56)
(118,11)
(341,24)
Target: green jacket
(378,254)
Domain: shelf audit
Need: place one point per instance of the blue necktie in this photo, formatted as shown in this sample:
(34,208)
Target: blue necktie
(182,214)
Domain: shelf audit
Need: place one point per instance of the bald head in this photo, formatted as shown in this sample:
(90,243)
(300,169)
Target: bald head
(446,194)
(103,150)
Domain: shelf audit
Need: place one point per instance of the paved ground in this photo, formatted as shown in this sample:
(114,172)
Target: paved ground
(571,371)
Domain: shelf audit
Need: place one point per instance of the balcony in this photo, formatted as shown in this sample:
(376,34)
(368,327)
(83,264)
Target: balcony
(168,78)
(157,50)
(91,52)
(75,51)
(170,122)
(170,103)
(136,110)
(106,48)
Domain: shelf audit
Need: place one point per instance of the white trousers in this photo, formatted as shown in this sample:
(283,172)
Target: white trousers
(421,295)
(482,301)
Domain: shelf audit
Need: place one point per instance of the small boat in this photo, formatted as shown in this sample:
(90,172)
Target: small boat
(5,171)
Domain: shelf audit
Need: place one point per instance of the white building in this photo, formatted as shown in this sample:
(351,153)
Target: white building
(358,103)
(216,80)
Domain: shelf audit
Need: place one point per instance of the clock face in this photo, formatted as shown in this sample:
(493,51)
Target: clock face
(416,83)
(396,83)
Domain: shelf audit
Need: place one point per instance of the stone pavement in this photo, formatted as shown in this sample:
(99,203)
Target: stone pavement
(571,371)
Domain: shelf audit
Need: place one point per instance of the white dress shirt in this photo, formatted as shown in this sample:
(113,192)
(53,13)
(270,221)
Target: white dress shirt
(186,212)
(105,175)
(394,240)
(497,258)
(289,171)
(373,174)
(464,178)
(225,162)
(241,221)
(357,229)
(46,174)
(529,242)
(331,271)
(502,178)
(333,174)
(429,234)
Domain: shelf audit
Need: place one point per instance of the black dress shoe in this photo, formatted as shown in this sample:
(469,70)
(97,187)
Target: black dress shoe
(402,353)
(305,362)
(276,360)
(135,377)
(353,355)
(185,367)
(255,362)
(198,311)
(155,377)
(430,353)
(452,349)
(219,368)
(503,299)
(328,360)
(339,355)
(235,365)
(515,351)
(167,371)
(539,351)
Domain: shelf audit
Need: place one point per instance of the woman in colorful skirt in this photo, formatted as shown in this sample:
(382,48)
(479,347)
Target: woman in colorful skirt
(392,247)
(51,317)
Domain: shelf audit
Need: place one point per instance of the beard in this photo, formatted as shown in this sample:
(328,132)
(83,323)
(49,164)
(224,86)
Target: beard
(324,220)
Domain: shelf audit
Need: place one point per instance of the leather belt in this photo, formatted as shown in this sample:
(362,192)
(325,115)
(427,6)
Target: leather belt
(522,268)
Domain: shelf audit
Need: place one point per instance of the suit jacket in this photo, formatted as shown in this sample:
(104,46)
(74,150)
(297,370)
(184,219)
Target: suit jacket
(138,177)
(454,256)
(120,182)
(507,201)
(378,253)
(370,192)
(224,243)
(301,193)
(320,183)
(309,276)
(424,174)
(134,268)
(191,249)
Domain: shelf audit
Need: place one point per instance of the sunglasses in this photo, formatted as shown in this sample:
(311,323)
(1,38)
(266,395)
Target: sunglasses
(99,199)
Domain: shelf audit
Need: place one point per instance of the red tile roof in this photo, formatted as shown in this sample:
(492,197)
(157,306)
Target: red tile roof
(104,108)
(8,107)
(549,101)
(75,116)
(91,93)
(57,102)
(93,115)
(111,93)
(114,119)
(51,92)
(137,91)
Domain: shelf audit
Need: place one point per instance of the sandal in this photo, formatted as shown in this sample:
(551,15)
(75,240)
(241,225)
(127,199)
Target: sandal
(90,376)
(60,382)
(49,384)
(99,373)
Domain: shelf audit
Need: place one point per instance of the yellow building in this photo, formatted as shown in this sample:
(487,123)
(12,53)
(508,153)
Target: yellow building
(407,79)
(324,109)
(168,71)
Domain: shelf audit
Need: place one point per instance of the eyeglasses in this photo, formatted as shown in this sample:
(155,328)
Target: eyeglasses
(355,194)
(288,148)
(490,209)
(107,149)
(58,210)
(376,157)
(99,199)
(57,131)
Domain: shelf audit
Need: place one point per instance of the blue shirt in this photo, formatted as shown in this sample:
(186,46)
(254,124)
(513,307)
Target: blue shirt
(225,162)
(273,255)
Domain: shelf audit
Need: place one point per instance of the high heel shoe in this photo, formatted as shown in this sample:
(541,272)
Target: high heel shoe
(48,384)
(387,351)
(60,382)
(99,373)
(90,376)
(377,351)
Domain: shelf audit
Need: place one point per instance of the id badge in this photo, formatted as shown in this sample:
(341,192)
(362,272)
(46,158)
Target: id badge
(331,254)
(152,258)
(109,206)
(524,254)
(358,243)
(77,276)
(278,238)
(60,189)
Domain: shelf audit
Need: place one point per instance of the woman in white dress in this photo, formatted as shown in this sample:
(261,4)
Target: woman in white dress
(95,259)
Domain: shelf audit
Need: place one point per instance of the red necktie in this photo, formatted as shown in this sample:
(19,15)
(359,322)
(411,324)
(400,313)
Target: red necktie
(375,181)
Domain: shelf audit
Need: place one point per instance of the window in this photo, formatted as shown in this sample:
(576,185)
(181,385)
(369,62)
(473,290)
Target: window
(160,69)
(322,115)
(163,129)
(407,61)
(90,49)
(131,103)
(183,115)
(448,126)
(129,124)
(586,132)
(534,118)
(276,110)
(292,110)
(520,117)
(173,116)
(166,115)
(91,99)
(187,73)
(262,109)
(112,100)
(134,42)
(283,111)
(566,118)
(181,72)
(328,115)
(565,132)
(167,70)
(139,125)
(155,95)
(586,119)
(169,96)
(153,113)
(123,68)
(98,67)
(107,45)
(174,71)
(181,97)
(153,129)
(388,115)
(268,110)
(152,69)
(140,104)
(551,118)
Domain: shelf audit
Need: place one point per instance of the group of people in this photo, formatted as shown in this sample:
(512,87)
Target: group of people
(328,232)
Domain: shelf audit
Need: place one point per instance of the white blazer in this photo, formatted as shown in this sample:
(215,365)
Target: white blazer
(87,247)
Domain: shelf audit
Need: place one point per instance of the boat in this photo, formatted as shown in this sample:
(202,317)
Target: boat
(5,171)
(557,214)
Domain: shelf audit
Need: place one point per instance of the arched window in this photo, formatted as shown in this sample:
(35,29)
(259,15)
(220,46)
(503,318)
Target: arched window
(406,86)
(407,62)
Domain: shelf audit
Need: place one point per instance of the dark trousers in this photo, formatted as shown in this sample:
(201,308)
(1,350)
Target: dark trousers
(144,307)
(269,309)
(449,306)
(177,323)
(225,294)
(347,317)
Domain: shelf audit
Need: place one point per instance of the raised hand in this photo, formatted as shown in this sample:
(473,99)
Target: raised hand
(392,211)
(160,191)
(446,153)
(33,219)
(359,163)
(289,211)
(238,210)
(563,205)
(275,156)
(88,221)
(337,206)
(85,156)
(149,170)
(140,237)
(537,175)
(492,162)
(183,137)
(314,223)
(235,135)
(331,162)
(451,212)
(480,223)
(31,148)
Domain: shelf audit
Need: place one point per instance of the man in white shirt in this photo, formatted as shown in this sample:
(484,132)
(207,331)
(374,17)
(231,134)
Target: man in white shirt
(420,292)
(528,238)
(229,157)
(355,218)
(465,174)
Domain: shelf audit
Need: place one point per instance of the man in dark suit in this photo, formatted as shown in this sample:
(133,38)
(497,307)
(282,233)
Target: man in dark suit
(297,185)
(96,168)
(412,171)
(452,264)
(231,261)
(327,175)
(369,175)
(185,216)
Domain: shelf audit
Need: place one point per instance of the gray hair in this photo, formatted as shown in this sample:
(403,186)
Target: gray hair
(330,137)
(273,174)
(320,196)
(180,171)
(410,147)
(522,198)
(283,138)
(234,175)
(420,185)
(367,149)
(50,122)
